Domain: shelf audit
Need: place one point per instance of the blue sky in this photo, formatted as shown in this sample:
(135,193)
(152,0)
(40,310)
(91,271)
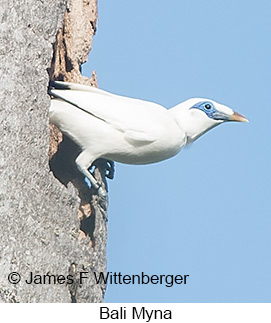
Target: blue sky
(205,212)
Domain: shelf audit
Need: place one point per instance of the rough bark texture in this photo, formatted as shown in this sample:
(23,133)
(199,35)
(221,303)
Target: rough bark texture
(39,227)
(74,41)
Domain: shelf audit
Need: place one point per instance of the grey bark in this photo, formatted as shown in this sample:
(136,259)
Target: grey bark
(39,226)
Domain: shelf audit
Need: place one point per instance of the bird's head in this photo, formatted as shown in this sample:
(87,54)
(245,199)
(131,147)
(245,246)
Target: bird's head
(196,116)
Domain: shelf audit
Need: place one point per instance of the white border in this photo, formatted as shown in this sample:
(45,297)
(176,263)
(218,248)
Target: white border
(185,312)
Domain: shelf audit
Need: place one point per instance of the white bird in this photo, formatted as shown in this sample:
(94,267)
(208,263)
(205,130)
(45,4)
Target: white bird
(128,130)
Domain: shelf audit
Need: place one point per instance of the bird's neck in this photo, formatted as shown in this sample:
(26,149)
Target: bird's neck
(191,122)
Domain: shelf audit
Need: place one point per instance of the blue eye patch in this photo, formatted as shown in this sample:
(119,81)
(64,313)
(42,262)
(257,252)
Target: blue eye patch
(209,109)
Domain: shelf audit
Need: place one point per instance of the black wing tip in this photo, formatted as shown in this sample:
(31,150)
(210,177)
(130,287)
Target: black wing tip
(58,85)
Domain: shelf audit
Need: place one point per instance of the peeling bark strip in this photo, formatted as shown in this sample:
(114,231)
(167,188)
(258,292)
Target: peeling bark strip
(74,41)
(39,228)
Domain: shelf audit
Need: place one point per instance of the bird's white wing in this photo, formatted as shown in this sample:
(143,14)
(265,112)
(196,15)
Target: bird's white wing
(139,120)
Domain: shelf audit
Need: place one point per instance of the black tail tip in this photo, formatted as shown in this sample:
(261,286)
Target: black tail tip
(58,85)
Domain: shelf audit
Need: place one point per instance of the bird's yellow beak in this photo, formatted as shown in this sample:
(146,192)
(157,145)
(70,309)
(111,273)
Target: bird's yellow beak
(238,117)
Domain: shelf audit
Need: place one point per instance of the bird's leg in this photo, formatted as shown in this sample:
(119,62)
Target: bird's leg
(83,161)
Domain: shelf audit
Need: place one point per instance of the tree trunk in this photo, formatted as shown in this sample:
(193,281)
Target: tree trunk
(40,232)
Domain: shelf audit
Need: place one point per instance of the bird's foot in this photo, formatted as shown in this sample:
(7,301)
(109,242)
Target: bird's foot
(102,193)
(109,169)
(103,202)
(107,166)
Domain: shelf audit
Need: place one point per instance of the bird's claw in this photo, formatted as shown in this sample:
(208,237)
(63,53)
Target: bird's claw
(109,169)
(102,193)
(103,200)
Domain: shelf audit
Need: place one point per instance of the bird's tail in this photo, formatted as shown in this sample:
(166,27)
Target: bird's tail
(59,85)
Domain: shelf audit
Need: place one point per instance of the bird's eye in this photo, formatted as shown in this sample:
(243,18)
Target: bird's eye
(207,106)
